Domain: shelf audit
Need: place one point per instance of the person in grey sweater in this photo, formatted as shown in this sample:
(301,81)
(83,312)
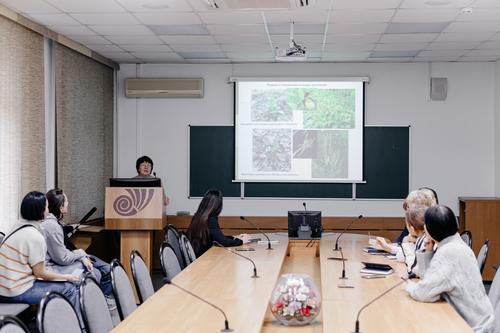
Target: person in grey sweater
(62,260)
(451,272)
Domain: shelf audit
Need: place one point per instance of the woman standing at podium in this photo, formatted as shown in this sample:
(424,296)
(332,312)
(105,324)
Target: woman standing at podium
(144,167)
(204,227)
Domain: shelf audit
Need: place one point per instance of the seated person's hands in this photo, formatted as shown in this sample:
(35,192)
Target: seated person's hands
(245,238)
(380,241)
(88,264)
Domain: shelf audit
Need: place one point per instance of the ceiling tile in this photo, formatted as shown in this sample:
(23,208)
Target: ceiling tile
(364,16)
(89,39)
(208,61)
(407,38)
(146,47)
(118,55)
(250,48)
(485,26)
(198,40)
(362,38)
(494,44)
(104,48)
(256,55)
(452,45)
(195,48)
(168,18)
(435,59)
(479,59)
(193,29)
(29,6)
(389,54)
(296,15)
(349,47)
(155,5)
(486,4)
(348,54)
(244,29)
(231,17)
(356,29)
(121,30)
(87,6)
(464,36)
(304,39)
(53,19)
(106,18)
(412,28)
(425,15)
(202,55)
(443,4)
(72,30)
(135,40)
(157,55)
(356,4)
(486,14)
(280,29)
(484,53)
(223,39)
(442,53)
(390,59)
(400,46)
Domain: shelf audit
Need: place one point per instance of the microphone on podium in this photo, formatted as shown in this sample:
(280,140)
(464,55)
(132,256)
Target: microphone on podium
(356,330)
(305,207)
(216,243)
(154,174)
(262,232)
(226,322)
(347,228)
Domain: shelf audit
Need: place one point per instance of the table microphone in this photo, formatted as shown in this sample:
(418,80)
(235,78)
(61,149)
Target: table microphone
(226,322)
(82,221)
(348,226)
(154,174)
(216,243)
(262,232)
(356,330)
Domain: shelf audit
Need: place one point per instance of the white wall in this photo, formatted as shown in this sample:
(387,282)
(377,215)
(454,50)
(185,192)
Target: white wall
(452,141)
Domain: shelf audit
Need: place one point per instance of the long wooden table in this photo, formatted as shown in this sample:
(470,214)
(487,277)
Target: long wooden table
(225,280)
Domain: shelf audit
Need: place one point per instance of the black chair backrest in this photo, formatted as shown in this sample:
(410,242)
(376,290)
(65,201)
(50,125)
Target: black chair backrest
(169,262)
(172,237)
(95,312)
(142,278)
(467,237)
(10,324)
(483,255)
(57,315)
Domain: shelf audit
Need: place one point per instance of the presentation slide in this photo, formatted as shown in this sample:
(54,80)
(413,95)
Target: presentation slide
(299,131)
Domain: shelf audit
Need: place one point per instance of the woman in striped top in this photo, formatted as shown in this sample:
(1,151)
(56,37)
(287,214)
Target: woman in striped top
(23,277)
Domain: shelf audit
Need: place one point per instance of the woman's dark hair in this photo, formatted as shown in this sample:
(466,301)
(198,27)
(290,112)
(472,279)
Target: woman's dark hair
(210,206)
(33,206)
(440,222)
(142,159)
(56,201)
(434,193)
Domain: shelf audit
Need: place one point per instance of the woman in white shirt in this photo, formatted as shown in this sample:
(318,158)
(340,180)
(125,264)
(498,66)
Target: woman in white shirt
(452,273)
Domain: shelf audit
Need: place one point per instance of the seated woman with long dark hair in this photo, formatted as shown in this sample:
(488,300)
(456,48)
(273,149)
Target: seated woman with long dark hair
(204,227)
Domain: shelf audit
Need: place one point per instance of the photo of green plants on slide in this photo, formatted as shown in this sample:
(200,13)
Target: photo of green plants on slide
(327,149)
(272,150)
(322,108)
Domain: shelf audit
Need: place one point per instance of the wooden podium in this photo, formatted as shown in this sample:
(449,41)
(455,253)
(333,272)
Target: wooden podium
(136,212)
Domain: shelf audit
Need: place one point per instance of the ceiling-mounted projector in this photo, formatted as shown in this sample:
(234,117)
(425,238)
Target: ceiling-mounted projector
(294,51)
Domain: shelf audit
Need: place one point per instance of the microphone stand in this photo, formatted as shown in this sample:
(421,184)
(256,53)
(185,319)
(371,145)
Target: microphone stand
(356,330)
(226,322)
(254,276)
(262,232)
(343,277)
(348,226)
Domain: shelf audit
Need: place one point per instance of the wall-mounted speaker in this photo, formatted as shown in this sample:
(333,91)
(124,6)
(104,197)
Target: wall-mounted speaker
(439,88)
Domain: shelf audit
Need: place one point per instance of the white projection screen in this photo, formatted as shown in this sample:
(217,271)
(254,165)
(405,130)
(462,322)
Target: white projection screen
(299,131)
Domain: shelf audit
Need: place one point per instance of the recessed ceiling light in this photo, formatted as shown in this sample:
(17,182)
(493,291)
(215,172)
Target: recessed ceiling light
(467,11)
(437,2)
(155,5)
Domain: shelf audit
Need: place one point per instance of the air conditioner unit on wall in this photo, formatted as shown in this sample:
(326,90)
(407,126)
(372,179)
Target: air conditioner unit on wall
(164,88)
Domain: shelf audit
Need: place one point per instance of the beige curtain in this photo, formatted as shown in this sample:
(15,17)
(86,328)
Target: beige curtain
(84,125)
(22,119)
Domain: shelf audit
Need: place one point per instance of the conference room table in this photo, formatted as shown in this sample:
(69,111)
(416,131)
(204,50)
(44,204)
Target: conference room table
(224,279)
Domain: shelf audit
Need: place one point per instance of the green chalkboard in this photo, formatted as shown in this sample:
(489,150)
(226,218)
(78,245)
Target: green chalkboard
(386,167)
(211,160)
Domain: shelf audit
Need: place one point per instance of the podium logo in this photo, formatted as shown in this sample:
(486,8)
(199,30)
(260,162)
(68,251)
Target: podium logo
(133,202)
